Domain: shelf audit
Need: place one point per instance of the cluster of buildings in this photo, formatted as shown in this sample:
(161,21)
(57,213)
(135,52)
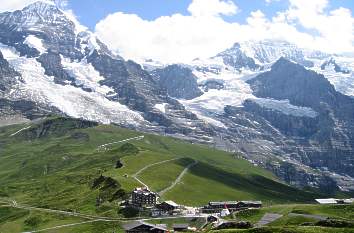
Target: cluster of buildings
(143,227)
(225,207)
(335,201)
(144,198)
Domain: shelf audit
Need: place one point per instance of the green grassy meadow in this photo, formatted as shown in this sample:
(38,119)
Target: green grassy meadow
(56,164)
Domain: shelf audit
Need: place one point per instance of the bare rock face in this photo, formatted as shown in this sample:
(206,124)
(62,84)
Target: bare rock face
(326,141)
(237,59)
(7,74)
(179,82)
(337,68)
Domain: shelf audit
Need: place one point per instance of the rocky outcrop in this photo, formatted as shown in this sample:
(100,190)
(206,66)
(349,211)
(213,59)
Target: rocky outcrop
(7,74)
(269,51)
(51,62)
(289,125)
(58,126)
(46,22)
(213,84)
(327,141)
(336,67)
(237,59)
(179,81)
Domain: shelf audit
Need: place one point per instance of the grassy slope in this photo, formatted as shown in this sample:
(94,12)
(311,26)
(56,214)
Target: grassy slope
(288,223)
(16,220)
(292,224)
(345,212)
(56,169)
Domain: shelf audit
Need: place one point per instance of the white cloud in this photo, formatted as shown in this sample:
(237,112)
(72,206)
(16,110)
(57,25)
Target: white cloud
(212,7)
(204,33)
(335,28)
(171,38)
(271,1)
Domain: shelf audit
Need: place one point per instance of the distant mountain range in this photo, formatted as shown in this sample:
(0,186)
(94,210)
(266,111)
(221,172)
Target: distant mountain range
(284,108)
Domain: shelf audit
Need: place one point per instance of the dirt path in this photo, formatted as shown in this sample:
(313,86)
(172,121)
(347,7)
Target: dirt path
(63,226)
(268,218)
(14,204)
(135,176)
(179,178)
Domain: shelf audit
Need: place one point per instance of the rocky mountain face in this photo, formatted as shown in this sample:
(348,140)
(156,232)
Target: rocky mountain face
(268,51)
(238,59)
(256,98)
(332,63)
(332,128)
(180,82)
(119,91)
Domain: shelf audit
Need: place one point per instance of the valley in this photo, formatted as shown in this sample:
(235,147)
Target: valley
(49,170)
(256,137)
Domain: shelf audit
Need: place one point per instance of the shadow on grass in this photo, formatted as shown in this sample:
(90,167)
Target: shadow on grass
(259,186)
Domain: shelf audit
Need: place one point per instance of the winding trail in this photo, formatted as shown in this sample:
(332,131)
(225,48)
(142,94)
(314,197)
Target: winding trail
(135,176)
(179,178)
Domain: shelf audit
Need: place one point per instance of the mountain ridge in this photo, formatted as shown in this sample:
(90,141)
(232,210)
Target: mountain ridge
(66,70)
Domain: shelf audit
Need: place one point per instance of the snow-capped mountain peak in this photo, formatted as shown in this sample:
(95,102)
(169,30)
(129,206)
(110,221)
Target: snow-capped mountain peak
(53,62)
(37,14)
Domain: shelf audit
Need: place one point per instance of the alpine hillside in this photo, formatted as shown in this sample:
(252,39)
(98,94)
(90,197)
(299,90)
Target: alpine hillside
(281,107)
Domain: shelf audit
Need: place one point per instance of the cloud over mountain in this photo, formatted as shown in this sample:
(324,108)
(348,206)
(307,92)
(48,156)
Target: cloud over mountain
(202,33)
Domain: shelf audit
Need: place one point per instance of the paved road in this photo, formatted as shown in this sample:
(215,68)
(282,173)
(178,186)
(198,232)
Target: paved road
(135,176)
(125,140)
(179,178)
(317,217)
(268,218)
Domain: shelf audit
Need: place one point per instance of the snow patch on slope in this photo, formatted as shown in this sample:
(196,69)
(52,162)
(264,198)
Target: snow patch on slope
(161,107)
(86,75)
(343,83)
(71,100)
(36,43)
(236,90)
(285,107)
(269,51)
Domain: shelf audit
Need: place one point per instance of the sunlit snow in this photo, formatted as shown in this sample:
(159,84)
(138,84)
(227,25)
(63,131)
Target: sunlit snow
(161,107)
(36,43)
(343,83)
(85,75)
(71,100)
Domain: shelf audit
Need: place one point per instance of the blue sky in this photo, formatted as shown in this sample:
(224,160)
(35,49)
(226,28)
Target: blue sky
(90,12)
(182,30)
